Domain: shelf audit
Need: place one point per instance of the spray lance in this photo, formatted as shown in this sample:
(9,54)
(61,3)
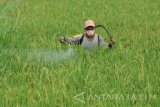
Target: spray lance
(110,37)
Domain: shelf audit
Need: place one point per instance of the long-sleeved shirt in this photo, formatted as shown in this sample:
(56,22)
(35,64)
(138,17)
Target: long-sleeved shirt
(87,44)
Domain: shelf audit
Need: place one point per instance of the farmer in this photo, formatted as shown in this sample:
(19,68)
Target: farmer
(89,39)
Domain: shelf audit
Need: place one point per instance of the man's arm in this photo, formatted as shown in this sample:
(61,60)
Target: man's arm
(74,39)
(103,43)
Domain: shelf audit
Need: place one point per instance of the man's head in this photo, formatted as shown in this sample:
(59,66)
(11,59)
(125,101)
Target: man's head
(89,27)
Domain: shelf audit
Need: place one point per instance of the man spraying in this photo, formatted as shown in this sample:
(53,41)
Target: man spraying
(89,39)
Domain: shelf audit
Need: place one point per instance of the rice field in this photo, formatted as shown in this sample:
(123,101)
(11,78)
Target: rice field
(37,71)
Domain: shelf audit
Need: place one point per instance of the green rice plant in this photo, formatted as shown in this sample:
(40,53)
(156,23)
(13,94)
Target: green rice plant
(37,71)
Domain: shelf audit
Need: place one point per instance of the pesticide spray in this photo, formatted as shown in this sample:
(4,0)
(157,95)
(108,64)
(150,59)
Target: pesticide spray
(39,55)
(50,55)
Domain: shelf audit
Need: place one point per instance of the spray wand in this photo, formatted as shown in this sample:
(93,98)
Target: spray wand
(110,37)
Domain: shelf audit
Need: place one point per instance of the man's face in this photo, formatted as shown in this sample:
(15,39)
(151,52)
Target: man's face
(90,30)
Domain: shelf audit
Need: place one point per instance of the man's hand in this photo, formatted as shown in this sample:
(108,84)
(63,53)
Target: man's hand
(62,39)
(111,43)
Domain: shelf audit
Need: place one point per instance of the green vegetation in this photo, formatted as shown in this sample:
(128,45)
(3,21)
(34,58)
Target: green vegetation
(127,75)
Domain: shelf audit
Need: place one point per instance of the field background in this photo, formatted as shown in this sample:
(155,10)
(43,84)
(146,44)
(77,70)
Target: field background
(130,68)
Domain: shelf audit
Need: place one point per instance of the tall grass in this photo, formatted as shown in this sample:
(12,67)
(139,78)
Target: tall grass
(127,75)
